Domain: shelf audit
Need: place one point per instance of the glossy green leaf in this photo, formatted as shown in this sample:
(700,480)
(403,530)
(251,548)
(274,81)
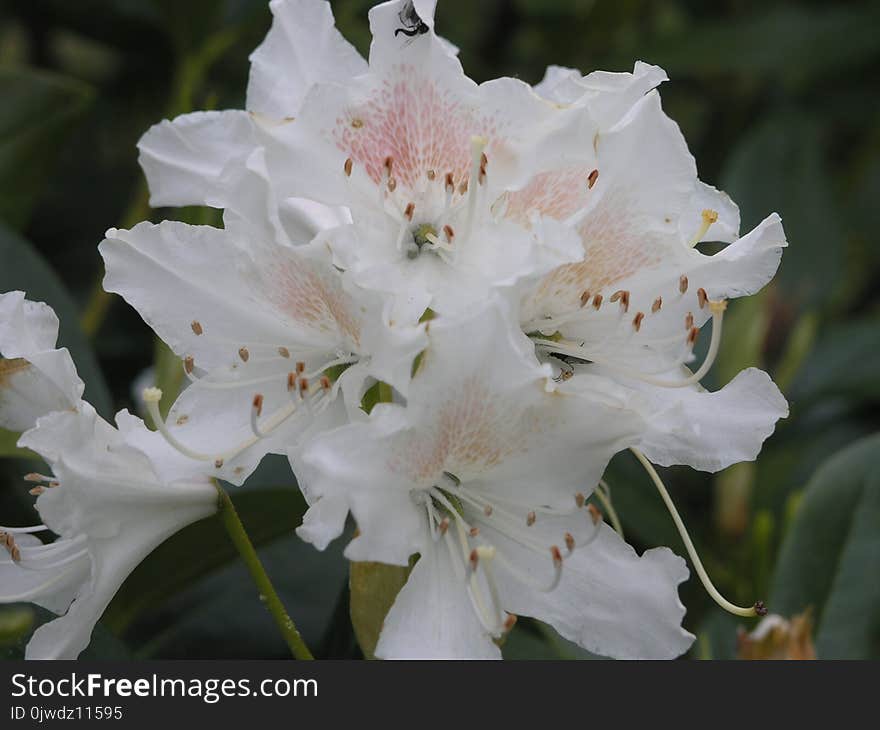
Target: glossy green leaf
(23,268)
(35,118)
(829,559)
(373,586)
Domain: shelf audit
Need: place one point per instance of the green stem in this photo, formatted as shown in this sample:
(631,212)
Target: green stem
(268,595)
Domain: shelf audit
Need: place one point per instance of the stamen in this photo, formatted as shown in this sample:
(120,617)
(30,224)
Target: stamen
(689,321)
(530,519)
(709,217)
(637,321)
(443,526)
(196,327)
(408,212)
(7,539)
(243,354)
(585,299)
(474,532)
(35,477)
(595,514)
(509,622)
(569,542)
(623,296)
(431,175)
(579,500)
(392,185)
(682,284)
(655,307)
(717,308)
(755,610)
(597,302)
(592,178)
(300,367)
(478,144)
(188,364)
(347,167)
(284,352)
(256,410)
(603,494)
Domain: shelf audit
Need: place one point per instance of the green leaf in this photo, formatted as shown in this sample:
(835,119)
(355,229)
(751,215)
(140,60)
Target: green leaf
(35,118)
(782,165)
(829,558)
(201,549)
(374,586)
(844,362)
(22,268)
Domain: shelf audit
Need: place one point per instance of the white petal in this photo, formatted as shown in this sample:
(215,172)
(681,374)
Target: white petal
(432,616)
(711,431)
(35,378)
(187,160)
(302,47)
(41,577)
(609,600)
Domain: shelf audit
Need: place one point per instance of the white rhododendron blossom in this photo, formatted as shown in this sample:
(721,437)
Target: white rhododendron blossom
(483,474)
(112,496)
(35,377)
(449,303)
(260,322)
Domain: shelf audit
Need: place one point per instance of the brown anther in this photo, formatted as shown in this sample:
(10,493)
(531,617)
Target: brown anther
(760,608)
(487,510)
(218,463)
(530,519)
(473,559)
(509,622)
(258,403)
(347,167)
(591,179)
(450,183)
(196,327)
(284,352)
(474,531)
(448,232)
(325,382)
(481,176)
(291,381)
(443,526)
(569,542)
(243,354)
(33,477)
(557,555)
(182,419)
(585,298)
(357,123)
(432,175)
(389,164)
(702,297)
(463,187)
(597,301)
(683,284)
(303,385)
(188,364)
(36,491)
(637,321)
(409,210)
(579,500)
(483,160)
(692,336)
(689,321)
(595,514)
(655,307)
(621,295)
(392,184)
(300,367)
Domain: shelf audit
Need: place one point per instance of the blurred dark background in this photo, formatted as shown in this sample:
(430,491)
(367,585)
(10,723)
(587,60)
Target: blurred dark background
(779,103)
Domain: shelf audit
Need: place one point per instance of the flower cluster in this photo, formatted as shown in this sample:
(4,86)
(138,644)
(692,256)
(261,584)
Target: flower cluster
(512,272)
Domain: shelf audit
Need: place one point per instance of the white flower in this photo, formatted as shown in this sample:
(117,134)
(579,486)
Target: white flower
(113,496)
(35,377)
(485,474)
(633,306)
(261,324)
